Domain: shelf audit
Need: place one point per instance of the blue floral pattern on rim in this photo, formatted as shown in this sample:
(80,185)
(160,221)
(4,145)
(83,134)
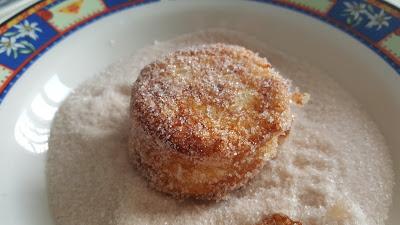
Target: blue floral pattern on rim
(24,37)
(12,44)
(367,19)
(22,40)
(357,12)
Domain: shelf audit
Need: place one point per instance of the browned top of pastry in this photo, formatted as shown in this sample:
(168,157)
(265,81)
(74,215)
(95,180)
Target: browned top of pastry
(212,100)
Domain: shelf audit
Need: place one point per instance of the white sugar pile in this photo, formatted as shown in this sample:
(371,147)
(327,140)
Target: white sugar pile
(333,169)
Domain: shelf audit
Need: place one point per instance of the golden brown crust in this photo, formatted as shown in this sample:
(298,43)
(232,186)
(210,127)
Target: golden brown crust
(300,98)
(182,176)
(278,219)
(204,119)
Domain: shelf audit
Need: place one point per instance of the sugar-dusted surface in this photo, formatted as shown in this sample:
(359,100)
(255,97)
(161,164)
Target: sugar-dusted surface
(333,169)
(212,101)
(204,119)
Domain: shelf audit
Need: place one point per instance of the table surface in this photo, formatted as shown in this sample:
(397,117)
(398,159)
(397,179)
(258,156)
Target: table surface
(10,7)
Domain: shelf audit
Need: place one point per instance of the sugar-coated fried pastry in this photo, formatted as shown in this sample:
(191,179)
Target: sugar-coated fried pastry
(205,119)
(278,219)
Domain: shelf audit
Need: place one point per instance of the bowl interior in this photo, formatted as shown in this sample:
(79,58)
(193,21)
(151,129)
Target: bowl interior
(362,72)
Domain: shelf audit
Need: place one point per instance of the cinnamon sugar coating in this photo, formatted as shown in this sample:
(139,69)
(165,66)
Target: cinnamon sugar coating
(204,119)
(278,219)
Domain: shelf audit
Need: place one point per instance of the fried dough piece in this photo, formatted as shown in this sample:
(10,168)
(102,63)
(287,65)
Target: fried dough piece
(278,219)
(205,119)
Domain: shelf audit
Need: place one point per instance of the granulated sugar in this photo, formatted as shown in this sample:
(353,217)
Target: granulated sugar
(333,169)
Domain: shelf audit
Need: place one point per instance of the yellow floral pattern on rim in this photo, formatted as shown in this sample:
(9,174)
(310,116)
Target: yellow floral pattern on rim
(321,6)
(392,44)
(4,73)
(70,12)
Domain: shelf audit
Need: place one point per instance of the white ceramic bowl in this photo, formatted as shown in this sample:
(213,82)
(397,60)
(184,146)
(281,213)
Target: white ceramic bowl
(23,198)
